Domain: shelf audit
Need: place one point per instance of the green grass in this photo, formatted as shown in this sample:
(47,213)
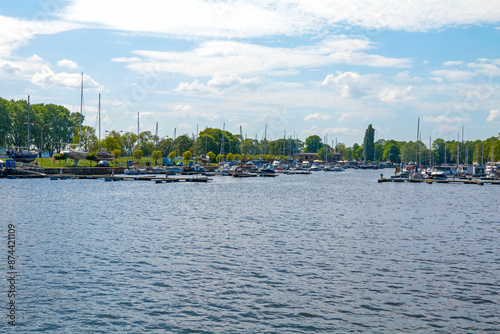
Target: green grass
(49,162)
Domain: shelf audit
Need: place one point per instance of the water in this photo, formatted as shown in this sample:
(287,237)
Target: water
(326,252)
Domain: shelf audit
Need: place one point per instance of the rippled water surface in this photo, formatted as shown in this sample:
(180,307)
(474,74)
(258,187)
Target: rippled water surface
(326,252)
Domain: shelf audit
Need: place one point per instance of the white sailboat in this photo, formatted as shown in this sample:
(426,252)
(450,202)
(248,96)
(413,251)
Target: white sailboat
(77,153)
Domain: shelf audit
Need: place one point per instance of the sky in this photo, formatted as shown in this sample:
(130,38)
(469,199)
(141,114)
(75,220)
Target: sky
(301,67)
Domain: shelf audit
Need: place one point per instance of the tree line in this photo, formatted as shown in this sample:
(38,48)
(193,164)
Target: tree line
(61,127)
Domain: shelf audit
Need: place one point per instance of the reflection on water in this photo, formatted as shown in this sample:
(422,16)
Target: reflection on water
(327,252)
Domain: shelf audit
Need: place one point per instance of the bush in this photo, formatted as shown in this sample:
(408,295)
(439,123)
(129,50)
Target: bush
(211,156)
(117,153)
(137,154)
(60,156)
(187,155)
(91,157)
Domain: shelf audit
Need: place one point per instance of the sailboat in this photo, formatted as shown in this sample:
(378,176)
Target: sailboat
(22,154)
(77,153)
(102,155)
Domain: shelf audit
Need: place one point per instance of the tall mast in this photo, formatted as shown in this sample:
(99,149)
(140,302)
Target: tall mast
(29,126)
(265,139)
(99,122)
(156,137)
(418,144)
(241,139)
(81,114)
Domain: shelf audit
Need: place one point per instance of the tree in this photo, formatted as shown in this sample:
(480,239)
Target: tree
(5,122)
(183,143)
(117,153)
(110,143)
(211,156)
(127,142)
(391,152)
(230,157)
(138,154)
(187,156)
(313,144)
(369,144)
(91,157)
(156,155)
(60,156)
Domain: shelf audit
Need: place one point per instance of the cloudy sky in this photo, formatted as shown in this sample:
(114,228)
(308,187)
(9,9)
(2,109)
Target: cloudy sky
(304,67)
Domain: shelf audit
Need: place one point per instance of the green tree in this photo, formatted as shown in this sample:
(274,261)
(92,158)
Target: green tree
(138,154)
(211,156)
(91,157)
(110,143)
(156,155)
(5,122)
(187,156)
(391,152)
(183,143)
(117,153)
(127,142)
(60,156)
(369,144)
(230,157)
(313,144)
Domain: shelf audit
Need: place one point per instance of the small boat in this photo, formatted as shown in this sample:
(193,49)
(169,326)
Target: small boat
(135,171)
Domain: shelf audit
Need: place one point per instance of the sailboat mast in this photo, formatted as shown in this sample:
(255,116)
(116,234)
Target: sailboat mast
(29,125)
(265,139)
(99,122)
(81,114)
(241,139)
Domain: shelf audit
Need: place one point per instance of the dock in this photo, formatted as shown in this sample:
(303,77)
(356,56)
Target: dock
(480,182)
(149,178)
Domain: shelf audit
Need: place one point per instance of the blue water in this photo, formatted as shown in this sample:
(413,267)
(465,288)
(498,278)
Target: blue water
(326,252)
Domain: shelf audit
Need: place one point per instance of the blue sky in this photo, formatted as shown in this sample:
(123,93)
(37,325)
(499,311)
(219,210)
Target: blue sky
(304,67)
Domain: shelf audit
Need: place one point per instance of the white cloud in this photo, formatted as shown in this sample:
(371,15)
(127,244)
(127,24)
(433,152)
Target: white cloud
(184,126)
(17,33)
(344,118)
(67,63)
(183,107)
(442,119)
(454,75)
(352,84)
(210,116)
(9,67)
(238,58)
(46,78)
(494,114)
(256,18)
(316,130)
(195,87)
(126,59)
(218,84)
(317,117)
(485,69)
(221,81)
(406,77)
(395,94)
(453,63)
